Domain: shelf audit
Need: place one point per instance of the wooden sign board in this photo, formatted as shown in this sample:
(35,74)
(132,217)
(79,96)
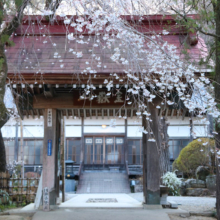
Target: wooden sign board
(49,117)
(116,98)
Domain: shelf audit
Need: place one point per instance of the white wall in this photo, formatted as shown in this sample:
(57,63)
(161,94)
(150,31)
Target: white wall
(73,131)
(33,128)
(134,121)
(178,131)
(107,130)
(105,121)
(133,131)
(72,121)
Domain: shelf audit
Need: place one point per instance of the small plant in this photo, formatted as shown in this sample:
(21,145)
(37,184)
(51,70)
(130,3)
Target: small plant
(170,180)
(6,203)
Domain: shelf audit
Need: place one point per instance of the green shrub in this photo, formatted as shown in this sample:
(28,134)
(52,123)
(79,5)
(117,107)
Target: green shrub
(196,153)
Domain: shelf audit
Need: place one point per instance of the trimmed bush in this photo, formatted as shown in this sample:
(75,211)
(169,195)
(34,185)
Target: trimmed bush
(196,153)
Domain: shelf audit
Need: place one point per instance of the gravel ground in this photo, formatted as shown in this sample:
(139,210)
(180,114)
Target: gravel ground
(177,217)
(195,204)
(15,217)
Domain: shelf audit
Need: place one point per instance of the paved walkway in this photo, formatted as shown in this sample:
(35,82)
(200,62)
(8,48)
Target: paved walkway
(103,214)
(118,200)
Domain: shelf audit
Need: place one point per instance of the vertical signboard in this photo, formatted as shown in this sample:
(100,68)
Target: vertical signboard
(49,117)
(49,147)
(46,200)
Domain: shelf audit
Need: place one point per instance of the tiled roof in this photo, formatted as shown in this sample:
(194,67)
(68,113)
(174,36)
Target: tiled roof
(33,55)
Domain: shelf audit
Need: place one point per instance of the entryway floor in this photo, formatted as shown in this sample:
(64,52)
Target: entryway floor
(118,200)
(104,214)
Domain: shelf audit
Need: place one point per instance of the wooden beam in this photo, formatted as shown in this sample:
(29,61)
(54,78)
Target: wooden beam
(38,113)
(183,114)
(102,114)
(131,113)
(114,112)
(108,113)
(49,92)
(27,113)
(67,114)
(36,88)
(78,112)
(90,111)
(96,113)
(61,114)
(32,113)
(73,113)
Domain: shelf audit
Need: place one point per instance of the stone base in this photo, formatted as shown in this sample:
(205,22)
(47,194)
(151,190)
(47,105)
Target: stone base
(152,207)
(173,205)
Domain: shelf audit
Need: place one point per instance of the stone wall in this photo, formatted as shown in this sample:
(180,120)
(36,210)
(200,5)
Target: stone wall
(195,187)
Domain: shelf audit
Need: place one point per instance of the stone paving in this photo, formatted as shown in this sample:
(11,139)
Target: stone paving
(81,201)
(102,214)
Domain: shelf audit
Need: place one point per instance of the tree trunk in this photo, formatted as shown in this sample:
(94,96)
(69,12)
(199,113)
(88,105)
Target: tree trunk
(151,159)
(6,32)
(3,111)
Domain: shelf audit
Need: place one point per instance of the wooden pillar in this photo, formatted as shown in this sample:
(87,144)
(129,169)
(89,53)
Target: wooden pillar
(126,141)
(63,152)
(151,160)
(50,158)
(82,142)
(22,147)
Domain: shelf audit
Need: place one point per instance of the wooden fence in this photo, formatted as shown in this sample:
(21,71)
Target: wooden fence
(21,191)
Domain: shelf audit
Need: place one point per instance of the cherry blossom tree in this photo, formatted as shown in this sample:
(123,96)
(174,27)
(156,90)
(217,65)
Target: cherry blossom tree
(152,70)
(11,15)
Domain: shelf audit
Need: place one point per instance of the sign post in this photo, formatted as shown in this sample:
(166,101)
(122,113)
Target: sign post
(46,200)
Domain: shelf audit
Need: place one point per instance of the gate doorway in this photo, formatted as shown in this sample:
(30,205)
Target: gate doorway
(105,150)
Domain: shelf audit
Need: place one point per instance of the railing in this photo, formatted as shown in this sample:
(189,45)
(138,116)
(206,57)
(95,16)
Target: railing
(126,165)
(80,168)
(21,191)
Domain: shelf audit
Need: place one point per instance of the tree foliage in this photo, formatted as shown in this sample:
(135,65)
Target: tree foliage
(196,153)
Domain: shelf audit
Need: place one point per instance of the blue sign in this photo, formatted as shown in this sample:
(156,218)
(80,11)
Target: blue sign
(49,148)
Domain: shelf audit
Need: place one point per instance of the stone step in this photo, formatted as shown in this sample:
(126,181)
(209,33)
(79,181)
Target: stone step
(99,182)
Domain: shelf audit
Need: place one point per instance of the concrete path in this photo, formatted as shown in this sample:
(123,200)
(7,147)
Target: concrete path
(103,214)
(105,201)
